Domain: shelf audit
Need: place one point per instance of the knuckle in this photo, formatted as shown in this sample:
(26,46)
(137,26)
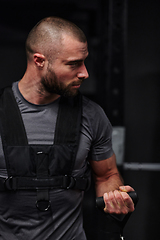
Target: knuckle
(132,209)
(112,211)
(118,212)
(124,211)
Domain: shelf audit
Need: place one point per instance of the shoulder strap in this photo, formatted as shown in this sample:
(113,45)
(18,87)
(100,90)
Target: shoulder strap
(13,130)
(68,120)
(68,124)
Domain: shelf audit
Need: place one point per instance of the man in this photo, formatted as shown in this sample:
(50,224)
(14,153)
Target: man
(49,139)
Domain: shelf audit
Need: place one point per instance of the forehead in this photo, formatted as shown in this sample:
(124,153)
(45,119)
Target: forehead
(73,48)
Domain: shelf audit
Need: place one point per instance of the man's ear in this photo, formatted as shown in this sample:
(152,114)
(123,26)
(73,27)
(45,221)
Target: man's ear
(39,60)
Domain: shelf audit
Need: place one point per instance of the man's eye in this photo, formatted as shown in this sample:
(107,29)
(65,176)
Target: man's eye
(73,64)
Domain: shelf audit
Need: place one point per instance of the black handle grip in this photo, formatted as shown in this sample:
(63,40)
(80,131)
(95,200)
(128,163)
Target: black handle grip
(118,217)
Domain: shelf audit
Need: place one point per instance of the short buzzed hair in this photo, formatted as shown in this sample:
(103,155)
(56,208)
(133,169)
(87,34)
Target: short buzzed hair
(49,31)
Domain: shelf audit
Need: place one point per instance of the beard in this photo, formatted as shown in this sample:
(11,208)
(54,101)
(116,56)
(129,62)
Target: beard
(51,84)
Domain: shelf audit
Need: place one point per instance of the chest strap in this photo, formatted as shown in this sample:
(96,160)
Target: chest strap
(27,183)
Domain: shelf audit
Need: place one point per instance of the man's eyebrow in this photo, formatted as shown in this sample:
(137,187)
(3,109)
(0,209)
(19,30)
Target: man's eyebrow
(76,61)
(71,61)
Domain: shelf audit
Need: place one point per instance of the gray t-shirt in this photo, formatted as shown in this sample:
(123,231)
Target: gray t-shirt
(19,217)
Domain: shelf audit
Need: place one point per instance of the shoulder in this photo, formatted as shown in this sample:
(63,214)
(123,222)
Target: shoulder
(5,88)
(8,88)
(98,128)
(95,118)
(93,110)
(90,105)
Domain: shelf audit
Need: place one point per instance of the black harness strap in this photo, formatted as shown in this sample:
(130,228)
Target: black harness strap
(68,123)
(26,183)
(66,133)
(68,120)
(11,124)
(13,129)
(42,163)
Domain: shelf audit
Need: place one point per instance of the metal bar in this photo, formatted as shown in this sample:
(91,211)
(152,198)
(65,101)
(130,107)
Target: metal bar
(142,166)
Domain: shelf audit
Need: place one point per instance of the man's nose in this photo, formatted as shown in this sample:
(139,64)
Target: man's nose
(83,73)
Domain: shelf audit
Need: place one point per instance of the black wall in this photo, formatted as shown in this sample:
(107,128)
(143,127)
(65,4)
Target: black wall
(142,115)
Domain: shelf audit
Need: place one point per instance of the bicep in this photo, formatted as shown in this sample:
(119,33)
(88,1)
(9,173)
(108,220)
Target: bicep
(105,168)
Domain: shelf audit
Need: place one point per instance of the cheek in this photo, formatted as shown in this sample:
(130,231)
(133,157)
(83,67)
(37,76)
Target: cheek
(65,77)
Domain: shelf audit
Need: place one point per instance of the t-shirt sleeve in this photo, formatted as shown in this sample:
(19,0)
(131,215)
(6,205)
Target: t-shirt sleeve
(101,147)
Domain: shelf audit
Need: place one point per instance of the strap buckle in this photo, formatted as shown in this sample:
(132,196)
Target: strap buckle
(43,205)
(69,182)
(10,183)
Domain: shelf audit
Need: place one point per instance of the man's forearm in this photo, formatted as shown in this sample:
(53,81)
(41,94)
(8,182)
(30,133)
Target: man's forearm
(110,184)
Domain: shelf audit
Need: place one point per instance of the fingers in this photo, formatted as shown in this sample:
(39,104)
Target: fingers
(126,189)
(128,201)
(118,202)
(114,203)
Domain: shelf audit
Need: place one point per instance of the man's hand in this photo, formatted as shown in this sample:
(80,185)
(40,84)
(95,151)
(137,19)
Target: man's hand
(118,201)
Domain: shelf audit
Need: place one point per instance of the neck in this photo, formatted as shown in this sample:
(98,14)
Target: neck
(34,93)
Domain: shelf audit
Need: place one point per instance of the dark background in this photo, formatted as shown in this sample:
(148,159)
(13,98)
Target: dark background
(124,59)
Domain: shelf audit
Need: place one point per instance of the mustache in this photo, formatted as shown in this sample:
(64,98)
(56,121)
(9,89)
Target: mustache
(76,83)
